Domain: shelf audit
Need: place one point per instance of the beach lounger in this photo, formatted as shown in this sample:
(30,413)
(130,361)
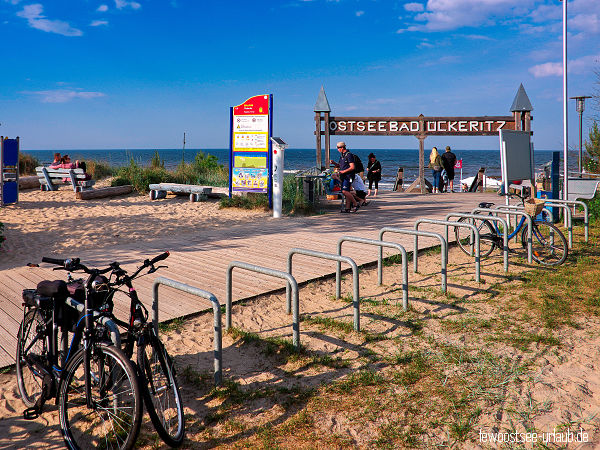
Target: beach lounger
(50,179)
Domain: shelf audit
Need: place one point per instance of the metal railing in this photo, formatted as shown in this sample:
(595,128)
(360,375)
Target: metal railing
(514,211)
(218,346)
(492,218)
(291,284)
(586,217)
(447,224)
(379,262)
(443,244)
(339,259)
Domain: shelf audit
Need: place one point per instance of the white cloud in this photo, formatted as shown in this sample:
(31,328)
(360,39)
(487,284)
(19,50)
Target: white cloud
(359,13)
(590,23)
(97,23)
(120,4)
(33,14)
(102,8)
(414,7)
(577,66)
(443,15)
(64,95)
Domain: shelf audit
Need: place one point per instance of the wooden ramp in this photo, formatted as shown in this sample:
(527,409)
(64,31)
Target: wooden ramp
(201,259)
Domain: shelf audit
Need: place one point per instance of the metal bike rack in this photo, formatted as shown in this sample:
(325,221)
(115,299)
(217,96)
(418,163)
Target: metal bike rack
(291,283)
(218,346)
(492,218)
(443,244)
(515,211)
(569,215)
(447,224)
(379,262)
(340,259)
(586,219)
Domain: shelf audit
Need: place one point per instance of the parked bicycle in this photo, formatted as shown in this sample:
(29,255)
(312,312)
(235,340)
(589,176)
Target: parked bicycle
(155,366)
(549,246)
(94,383)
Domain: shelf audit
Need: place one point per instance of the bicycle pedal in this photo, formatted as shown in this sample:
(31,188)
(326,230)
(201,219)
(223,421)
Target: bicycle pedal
(31,413)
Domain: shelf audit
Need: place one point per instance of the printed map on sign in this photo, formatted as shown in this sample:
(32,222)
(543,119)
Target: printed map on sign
(251,123)
(250,140)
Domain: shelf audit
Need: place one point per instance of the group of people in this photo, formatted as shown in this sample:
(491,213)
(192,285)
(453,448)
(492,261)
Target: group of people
(64,162)
(442,170)
(350,172)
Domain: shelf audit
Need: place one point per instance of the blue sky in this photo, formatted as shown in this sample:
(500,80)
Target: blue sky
(136,74)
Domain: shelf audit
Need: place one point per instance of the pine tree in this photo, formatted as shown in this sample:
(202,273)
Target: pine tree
(592,149)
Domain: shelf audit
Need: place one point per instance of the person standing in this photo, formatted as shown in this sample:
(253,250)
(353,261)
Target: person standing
(373,173)
(345,168)
(435,163)
(448,161)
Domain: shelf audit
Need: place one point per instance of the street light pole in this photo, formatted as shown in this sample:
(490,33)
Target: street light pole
(580,107)
(565,113)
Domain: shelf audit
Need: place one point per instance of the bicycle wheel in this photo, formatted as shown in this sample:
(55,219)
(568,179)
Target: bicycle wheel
(466,239)
(548,244)
(161,392)
(115,418)
(32,349)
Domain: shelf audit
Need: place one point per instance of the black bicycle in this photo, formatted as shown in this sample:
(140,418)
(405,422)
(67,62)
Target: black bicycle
(549,246)
(155,366)
(94,383)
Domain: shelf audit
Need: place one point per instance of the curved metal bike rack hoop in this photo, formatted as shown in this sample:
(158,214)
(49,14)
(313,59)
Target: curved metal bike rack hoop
(291,282)
(400,248)
(586,219)
(492,218)
(448,223)
(332,257)
(569,214)
(515,211)
(443,244)
(218,346)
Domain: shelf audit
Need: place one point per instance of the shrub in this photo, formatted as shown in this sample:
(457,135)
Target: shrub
(592,147)
(205,169)
(594,207)
(141,177)
(156,162)
(27,164)
(248,201)
(98,170)
(119,181)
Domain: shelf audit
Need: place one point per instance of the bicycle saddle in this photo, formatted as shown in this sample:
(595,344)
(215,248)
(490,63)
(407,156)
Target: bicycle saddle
(57,288)
(486,205)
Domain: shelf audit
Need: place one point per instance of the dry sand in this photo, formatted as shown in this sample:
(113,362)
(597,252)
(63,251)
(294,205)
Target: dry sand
(561,386)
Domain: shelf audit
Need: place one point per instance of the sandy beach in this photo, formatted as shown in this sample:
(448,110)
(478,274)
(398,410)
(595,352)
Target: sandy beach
(536,385)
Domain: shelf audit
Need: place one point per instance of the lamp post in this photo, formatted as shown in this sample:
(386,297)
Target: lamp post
(580,107)
(565,111)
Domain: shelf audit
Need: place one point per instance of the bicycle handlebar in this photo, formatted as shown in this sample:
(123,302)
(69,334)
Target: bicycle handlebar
(58,262)
(160,257)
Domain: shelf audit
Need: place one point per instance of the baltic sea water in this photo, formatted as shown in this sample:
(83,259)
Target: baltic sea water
(302,159)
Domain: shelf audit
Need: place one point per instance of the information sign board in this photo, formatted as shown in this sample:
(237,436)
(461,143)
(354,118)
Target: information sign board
(250,145)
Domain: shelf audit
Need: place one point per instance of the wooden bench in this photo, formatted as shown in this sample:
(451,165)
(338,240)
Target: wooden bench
(196,193)
(582,188)
(50,179)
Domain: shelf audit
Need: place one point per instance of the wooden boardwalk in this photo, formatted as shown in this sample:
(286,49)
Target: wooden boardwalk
(201,259)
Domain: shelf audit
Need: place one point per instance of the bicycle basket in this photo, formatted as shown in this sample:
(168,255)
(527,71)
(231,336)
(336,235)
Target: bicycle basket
(533,206)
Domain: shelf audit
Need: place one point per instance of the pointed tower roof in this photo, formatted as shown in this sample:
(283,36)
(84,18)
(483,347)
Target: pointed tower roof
(521,102)
(322,104)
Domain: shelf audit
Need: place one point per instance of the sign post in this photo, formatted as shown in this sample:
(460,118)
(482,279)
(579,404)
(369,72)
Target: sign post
(459,165)
(251,126)
(279,147)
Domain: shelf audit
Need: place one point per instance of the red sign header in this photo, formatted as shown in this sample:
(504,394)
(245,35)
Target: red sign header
(259,104)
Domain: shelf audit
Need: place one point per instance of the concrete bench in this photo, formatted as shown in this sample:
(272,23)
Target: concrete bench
(582,188)
(196,193)
(50,179)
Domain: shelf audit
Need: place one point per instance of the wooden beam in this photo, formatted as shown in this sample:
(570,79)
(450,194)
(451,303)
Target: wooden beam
(104,192)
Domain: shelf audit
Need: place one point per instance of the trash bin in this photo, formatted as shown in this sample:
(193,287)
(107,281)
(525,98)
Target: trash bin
(554,211)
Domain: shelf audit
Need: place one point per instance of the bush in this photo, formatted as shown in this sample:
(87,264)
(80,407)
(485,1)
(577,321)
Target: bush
(98,170)
(205,169)
(27,164)
(248,201)
(591,161)
(119,181)
(594,207)
(141,177)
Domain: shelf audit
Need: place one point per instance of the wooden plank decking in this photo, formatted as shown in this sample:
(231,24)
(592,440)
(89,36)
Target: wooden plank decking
(201,259)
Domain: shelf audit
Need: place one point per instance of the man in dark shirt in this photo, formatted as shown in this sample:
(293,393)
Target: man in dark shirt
(346,172)
(448,161)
